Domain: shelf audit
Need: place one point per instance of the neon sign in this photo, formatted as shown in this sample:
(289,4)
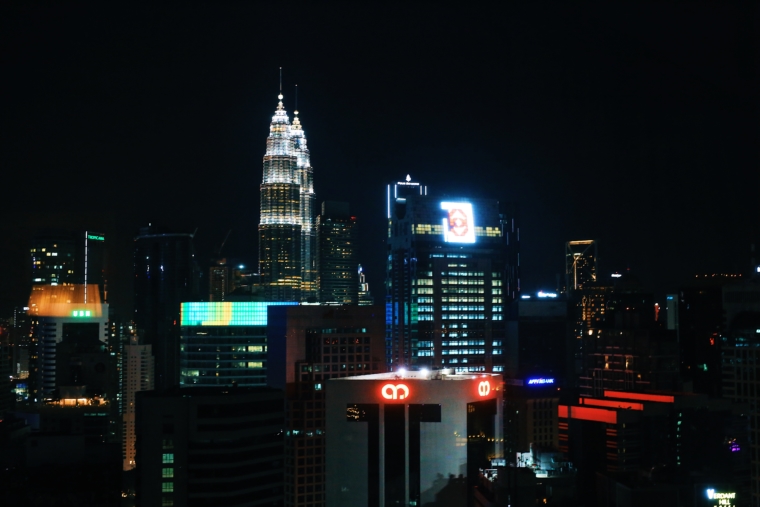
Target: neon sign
(459,225)
(95,237)
(538,381)
(397,392)
(484,388)
(723,499)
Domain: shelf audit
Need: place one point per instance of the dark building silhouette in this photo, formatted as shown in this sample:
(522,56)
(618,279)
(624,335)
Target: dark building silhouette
(166,274)
(740,349)
(449,280)
(700,327)
(337,264)
(210,446)
(680,440)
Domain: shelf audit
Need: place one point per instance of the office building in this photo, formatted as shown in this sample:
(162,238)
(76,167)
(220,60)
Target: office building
(700,326)
(448,280)
(69,340)
(680,440)
(530,415)
(209,446)
(544,343)
(740,349)
(224,344)
(138,374)
(218,280)
(70,258)
(166,274)
(337,265)
(286,227)
(308,346)
(415,438)
(626,350)
(364,295)
(580,264)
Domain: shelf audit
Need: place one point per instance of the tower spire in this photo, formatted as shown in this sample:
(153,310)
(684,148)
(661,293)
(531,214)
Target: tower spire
(280,80)
(295,106)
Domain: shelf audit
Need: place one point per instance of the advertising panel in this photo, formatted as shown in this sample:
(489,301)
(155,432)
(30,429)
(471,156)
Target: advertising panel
(459,223)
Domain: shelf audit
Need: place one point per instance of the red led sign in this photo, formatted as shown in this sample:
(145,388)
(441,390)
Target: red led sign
(484,388)
(395,392)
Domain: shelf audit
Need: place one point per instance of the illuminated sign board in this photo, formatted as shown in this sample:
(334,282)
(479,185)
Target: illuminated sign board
(227,313)
(540,381)
(718,498)
(484,388)
(395,392)
(81,313)
(459,224)
(543,294)
(95,237)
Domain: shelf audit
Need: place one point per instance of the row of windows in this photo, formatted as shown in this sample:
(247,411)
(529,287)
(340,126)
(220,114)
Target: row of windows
(456,352)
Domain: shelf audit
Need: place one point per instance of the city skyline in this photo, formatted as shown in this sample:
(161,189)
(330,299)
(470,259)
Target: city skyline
(633,126)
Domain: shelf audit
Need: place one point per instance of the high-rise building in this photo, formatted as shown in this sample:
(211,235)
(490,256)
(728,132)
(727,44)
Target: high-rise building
(448,280)
(415,438)
(218,280)
(310,344)
(225,343)
(337,266)
(69,340)
(214,446)
(68,258)
(305,177)
(286,227)
(580,264)
(166,274)
(137,376)
(740,350)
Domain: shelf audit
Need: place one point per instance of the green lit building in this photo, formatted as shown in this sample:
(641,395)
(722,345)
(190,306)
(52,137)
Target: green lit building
(224,343)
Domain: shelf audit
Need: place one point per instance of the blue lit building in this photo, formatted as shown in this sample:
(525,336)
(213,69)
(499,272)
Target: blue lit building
(452,270)
(224,343)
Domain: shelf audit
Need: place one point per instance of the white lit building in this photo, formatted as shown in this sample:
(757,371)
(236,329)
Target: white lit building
(410,438)
(138,376)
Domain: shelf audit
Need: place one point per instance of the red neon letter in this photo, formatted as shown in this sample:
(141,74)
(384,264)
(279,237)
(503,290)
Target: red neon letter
(484,388)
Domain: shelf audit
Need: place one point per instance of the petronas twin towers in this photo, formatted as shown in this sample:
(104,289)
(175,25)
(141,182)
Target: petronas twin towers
(287,248)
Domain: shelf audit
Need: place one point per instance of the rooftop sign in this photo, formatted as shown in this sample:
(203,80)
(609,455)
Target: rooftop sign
(540,381)
(459,225)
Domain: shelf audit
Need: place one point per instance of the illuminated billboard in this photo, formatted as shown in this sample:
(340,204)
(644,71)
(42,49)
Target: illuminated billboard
(459,223)
(227,313)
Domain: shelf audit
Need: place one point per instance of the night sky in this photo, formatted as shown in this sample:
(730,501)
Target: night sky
(633,124)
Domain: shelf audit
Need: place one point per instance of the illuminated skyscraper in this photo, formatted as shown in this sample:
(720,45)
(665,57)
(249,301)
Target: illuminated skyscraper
(286,227)
(580,264)
(305,178)
(449,279)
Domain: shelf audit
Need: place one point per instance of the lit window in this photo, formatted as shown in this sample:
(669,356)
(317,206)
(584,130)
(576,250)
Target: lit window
(168,457)
(167,487)
(167,473)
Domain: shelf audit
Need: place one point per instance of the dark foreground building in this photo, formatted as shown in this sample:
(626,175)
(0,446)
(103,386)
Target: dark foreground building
(210,446)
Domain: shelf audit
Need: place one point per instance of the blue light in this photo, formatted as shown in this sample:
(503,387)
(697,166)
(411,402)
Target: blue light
(524,297)
(543,294)
(540,381)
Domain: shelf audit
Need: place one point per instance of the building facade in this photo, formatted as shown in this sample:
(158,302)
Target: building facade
(286,227)
(166,274)
(308,346)
(225,343)
(449,278)
(337,264)
(209,446)
(138,374)
(418,438)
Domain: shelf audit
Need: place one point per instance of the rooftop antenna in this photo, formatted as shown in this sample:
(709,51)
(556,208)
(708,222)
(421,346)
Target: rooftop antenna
(280,80)
(295,107)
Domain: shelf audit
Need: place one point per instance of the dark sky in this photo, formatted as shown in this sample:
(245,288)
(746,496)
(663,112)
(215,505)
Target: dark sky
(634,124)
